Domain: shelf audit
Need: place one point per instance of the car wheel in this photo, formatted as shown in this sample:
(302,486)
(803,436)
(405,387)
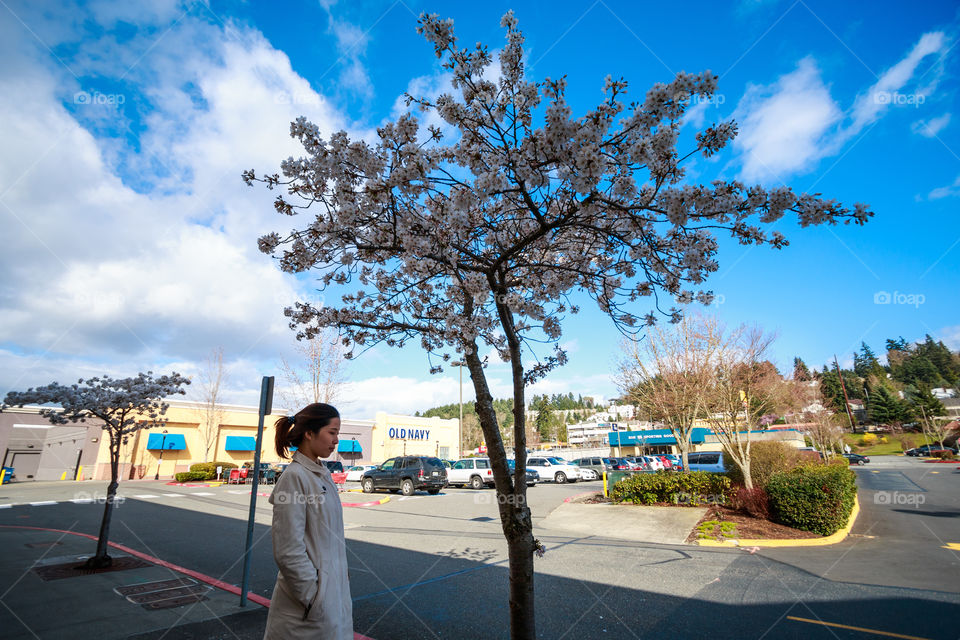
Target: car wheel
(860,462)
(531,484)
(476,482)
(406,488)
(433,492)
(560,478)
(368,485)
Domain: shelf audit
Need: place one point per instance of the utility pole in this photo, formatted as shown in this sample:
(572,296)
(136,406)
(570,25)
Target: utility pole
(846,401)
(460,364)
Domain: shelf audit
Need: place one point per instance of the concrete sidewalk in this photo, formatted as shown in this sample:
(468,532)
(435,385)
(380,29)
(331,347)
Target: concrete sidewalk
(666,525)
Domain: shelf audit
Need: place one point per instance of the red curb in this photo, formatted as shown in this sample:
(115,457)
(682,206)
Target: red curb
(253,597)
(375,503)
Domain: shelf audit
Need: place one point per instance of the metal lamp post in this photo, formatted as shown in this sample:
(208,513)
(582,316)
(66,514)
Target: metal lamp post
(460,364)
(163,443)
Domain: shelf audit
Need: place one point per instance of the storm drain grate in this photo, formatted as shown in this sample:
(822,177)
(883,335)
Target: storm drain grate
(174,602)
(147,587)
(69,569)
(164,594)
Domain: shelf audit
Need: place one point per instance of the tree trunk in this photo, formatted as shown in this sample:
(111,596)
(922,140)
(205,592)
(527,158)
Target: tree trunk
(515,517)
(102,559)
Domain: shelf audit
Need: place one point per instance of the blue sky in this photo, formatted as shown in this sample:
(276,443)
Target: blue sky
(131,240)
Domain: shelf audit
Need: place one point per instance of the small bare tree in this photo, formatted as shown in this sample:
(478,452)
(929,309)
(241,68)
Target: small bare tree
(212,379)
(743,388)
(667,374)
(319,373)
(826,431)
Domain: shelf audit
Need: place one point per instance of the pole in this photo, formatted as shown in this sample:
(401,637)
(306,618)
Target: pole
(163,443)
(846,401)
(266,407)
(460,364)
(76,469)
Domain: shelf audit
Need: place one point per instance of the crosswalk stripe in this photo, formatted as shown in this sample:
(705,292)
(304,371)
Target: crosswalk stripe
(43,503)
(174,495)
(202,493)
(146,495)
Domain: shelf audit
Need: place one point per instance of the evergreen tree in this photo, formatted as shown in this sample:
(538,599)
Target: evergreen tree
(884,407)
(800,371)
(866,363)
(923,403)
(897,345)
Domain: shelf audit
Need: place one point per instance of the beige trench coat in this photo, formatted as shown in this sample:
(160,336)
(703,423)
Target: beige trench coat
(312,596)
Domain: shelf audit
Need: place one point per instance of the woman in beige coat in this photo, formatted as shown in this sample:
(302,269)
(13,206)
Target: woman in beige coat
(312,596)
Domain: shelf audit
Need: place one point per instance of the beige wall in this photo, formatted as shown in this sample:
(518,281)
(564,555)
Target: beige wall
(397,435)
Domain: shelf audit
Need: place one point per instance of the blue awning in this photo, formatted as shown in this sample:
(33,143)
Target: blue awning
(349,446)
(241,443)
(167,442)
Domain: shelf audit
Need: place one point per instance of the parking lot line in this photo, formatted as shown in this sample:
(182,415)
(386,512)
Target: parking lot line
(861,629)
(43,503)
(146,495)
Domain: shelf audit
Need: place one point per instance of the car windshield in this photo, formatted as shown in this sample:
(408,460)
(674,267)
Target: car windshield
(558,461)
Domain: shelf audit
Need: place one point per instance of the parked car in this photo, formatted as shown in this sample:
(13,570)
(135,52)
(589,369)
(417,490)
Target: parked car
(706,461)
(333,466)
(667,462)
(553,468)
(355,473)
(855,458)
(929,450)
(473,472)
(676,460)
(622,464)
(653,462)
(593,467)
(532,476)
(406,474)
(637,463)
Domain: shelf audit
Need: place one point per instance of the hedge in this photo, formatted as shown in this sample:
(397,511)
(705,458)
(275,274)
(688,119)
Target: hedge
(817,498)
(766,459)
(694,488)
(187,476)
(209,469)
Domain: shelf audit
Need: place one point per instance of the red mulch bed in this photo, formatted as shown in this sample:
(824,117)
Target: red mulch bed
(749,527)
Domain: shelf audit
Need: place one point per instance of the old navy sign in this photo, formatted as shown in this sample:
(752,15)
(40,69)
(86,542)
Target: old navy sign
(409,434)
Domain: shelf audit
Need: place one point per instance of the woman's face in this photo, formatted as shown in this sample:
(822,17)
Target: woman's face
(322,443)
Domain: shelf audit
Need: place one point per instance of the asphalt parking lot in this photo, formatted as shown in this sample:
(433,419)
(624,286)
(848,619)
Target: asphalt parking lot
(435,566)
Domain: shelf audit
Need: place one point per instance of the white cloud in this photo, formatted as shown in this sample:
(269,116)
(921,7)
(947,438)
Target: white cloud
(781,130)
(789,126)
(930,128)
(951,337)
(946,192)
(146,254)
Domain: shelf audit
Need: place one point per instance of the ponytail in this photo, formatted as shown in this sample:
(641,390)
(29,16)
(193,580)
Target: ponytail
(290,429)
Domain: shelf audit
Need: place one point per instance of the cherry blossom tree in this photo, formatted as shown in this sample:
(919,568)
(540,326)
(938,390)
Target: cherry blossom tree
(122,405)
(488,230)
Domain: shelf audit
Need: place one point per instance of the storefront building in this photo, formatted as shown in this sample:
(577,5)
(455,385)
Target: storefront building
(659,441)
(38,450)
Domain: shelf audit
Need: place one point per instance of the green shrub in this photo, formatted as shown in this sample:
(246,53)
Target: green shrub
(693,489)
(209,469)
(187,476)
(817,498)
(766,459)
(945,455)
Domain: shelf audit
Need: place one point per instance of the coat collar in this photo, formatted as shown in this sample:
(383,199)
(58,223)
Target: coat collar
(310,464)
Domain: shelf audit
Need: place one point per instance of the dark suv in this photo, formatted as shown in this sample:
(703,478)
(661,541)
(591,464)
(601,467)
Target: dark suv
(406,474)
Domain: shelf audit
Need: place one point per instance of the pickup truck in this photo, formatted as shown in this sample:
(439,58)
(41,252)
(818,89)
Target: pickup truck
(472,472)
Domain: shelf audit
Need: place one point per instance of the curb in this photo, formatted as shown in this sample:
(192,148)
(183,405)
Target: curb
(375,503)
(190,484)
(833,538)
(579,495)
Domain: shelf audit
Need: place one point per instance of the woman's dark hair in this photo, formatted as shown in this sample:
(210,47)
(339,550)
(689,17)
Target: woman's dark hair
(290,429)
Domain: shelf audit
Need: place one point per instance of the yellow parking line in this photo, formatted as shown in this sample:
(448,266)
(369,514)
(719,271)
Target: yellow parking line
(875,471)
(846,626)
(934,472)
(952,546)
